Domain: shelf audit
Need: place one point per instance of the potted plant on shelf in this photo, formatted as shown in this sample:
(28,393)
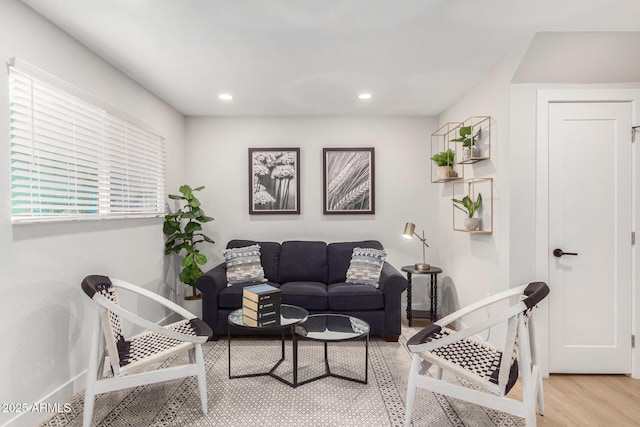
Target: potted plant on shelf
(468,140)
(183,231)
(469,207)
(444,160)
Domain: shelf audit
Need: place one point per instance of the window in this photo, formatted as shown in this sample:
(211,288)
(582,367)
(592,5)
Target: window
(73,157)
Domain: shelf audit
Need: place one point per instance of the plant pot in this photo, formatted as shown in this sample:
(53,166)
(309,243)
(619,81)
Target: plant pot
(446,172)
(193,304)
(471,224)
(470,152)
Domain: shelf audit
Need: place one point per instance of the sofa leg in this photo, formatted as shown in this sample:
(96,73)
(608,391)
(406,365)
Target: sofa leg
(391,338)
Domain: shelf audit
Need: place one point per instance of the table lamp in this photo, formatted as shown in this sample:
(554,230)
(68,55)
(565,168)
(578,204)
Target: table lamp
(408,233)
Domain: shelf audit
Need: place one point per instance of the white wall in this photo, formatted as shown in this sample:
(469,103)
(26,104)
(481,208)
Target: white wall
(217,157)
(581,57)
(476,265)
(44,314)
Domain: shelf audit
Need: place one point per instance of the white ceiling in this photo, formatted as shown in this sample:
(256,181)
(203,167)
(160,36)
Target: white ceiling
(294,57)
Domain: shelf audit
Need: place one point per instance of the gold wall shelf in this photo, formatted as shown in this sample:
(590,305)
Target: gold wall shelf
(482,223)
(479,139)
(441,141)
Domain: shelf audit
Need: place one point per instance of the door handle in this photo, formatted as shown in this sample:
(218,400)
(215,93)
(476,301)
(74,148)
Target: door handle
(559,252)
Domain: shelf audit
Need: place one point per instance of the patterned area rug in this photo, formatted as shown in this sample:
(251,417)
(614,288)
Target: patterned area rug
(264,401)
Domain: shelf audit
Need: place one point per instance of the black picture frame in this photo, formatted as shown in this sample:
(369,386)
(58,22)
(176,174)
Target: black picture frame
(348,180)
(274,181)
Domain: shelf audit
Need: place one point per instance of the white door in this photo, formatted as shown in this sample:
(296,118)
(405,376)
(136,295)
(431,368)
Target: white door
(590,213)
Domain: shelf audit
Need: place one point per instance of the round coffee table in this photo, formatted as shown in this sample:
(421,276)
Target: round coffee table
(328,328)
(290,316)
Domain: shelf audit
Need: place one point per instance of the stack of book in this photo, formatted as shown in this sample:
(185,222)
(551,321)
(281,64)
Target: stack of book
(261,305)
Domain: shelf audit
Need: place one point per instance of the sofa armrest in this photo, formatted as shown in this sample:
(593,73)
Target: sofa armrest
(391,280)
(210,284)
(392,284)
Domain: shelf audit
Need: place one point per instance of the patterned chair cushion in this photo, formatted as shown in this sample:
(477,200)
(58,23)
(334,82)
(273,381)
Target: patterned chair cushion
(366,265)
(470,359)
(243,265)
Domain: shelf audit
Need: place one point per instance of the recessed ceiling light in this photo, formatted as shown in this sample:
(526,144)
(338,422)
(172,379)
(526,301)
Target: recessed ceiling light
(365,96)
(225,96)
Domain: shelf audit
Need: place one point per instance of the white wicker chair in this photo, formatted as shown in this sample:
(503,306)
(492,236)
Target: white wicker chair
(127,356)
(467,356)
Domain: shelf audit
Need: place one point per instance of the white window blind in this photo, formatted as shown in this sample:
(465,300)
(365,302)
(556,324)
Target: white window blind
(73,159)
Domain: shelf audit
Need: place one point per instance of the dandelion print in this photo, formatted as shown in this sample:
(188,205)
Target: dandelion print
(274,180)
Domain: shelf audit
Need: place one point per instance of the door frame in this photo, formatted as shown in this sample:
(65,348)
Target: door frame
(544,98)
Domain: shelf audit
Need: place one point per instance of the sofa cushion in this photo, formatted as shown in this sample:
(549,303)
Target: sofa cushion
(243,265)
(303,261)
(308,295)
(339,257)
(269,256)
(366,265)
(231,296)
(353,297)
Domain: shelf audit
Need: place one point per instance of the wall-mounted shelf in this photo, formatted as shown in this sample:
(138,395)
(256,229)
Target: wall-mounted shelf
(476,135)
(482,223)
(441,143)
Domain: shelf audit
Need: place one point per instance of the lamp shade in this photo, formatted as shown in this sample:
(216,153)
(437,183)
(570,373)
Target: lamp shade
(408,230)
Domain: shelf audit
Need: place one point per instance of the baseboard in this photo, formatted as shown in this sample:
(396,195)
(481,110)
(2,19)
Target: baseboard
(422,307)
(54,401)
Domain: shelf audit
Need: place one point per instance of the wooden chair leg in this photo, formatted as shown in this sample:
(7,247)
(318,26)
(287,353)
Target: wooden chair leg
(411,388)
(540,392)
(438,373)
(202,378)
(92,373)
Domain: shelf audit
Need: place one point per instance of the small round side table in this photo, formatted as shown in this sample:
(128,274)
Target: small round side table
(433,273)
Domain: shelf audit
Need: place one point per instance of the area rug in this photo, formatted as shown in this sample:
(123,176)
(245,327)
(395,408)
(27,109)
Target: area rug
(265,402)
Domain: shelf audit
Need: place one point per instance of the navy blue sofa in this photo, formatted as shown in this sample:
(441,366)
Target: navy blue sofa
(311,275)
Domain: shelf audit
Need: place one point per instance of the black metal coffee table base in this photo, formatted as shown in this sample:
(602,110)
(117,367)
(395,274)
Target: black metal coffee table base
(324,328)
(290,316)
(327,368)
(271,372)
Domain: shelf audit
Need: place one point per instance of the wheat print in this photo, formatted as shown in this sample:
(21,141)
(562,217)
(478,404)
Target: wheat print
(349,180)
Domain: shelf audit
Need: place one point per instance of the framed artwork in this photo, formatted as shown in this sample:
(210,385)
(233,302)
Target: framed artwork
(274,180)
(348,180)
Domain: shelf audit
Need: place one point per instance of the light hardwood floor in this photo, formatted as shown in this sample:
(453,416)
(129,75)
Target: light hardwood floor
(584,400)
(589,400)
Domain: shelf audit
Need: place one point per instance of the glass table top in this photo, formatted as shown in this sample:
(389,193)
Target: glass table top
(332,327)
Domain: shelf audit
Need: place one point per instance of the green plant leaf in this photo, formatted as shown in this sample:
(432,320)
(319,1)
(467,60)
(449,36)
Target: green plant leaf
(190,274)
(170,227)
(200,259)
(206,238)
(199,188)
(186,191)
(174,197)
(194,202)
(188,260)
(191,227)
(204,218)
(444,158)
(468,206)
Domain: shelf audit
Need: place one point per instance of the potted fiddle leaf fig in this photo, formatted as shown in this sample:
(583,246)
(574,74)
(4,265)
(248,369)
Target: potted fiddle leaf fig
(470,208)
(183,231)
(444,161)
(468,142)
